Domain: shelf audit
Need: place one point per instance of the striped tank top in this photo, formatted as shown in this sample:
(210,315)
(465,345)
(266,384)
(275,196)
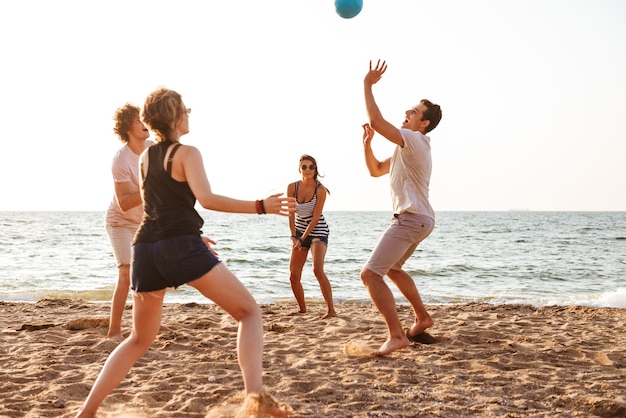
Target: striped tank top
(304,215)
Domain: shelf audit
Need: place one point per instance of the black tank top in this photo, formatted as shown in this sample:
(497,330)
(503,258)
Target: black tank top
(168,204)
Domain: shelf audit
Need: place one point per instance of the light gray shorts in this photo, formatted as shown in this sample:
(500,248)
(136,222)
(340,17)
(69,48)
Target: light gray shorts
(398,242)
(121,236)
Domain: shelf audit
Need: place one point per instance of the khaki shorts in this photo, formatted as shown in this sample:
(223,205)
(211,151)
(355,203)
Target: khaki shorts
(398,242)
(121,236)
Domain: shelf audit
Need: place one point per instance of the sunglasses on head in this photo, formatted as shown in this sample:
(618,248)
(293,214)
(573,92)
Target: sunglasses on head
(310,167)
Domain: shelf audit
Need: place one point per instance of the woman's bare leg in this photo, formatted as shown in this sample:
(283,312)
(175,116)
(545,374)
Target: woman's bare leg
(318,253)
(221,286)
(296,264)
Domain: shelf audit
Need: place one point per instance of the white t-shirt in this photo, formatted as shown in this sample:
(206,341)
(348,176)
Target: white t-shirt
(409,175)
(125,169)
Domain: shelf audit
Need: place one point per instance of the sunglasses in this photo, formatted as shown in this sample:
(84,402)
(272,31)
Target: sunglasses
(310,167)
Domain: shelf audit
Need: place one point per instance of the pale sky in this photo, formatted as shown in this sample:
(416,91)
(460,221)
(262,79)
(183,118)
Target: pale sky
(533,96)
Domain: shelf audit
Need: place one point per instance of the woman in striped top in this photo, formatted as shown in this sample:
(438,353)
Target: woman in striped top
(309,230)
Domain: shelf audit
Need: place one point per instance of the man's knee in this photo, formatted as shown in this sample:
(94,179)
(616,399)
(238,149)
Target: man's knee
(368,276)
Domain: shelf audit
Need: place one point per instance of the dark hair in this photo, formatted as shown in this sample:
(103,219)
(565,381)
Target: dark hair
(308,157)
(124,118)
(432,114)
(161,112)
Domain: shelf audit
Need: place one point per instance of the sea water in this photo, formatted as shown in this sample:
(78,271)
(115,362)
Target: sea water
(539,258)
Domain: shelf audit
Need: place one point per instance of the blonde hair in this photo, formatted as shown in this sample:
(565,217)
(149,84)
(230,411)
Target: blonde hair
(162,110)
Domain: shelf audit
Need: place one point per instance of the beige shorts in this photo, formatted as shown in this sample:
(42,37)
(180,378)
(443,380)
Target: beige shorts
(398,242)
(121,236)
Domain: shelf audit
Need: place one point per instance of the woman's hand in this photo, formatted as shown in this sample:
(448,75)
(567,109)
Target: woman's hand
(208,241)
(279,204)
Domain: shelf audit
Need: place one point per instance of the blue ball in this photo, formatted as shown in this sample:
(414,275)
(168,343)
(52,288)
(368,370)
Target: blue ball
(348,8)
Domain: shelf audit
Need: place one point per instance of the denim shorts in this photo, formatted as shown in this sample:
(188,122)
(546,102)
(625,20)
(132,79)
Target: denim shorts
(170,262)
(306,244)
(399,241)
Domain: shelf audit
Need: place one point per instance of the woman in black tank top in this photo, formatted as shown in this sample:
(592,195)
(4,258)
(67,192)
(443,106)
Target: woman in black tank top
(169,251)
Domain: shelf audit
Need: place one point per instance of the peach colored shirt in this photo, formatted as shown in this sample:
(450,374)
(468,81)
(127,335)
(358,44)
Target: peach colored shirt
(125,169)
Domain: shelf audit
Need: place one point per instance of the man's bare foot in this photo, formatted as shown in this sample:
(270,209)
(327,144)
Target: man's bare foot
(391,345)
(420,326)
(330,314)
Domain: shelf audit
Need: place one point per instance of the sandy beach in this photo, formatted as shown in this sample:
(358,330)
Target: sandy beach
(486,360)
